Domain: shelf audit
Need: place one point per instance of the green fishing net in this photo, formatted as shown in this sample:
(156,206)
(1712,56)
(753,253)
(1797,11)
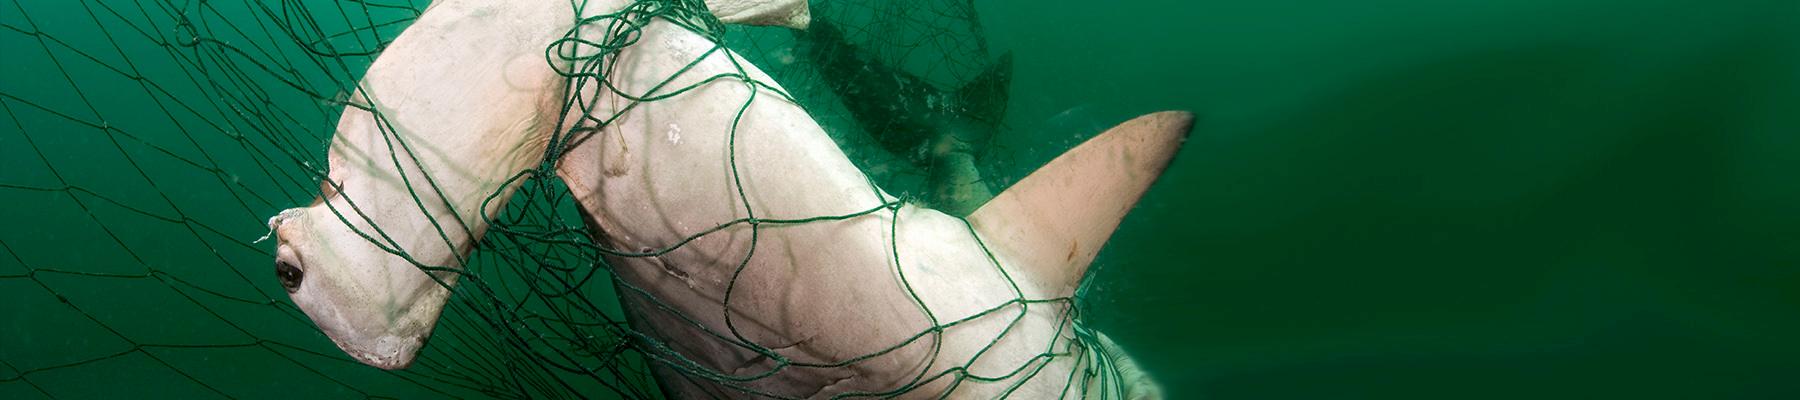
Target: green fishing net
(146,144)
(864,67)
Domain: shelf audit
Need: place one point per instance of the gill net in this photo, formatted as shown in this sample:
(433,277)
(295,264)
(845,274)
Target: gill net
(928,48)
(149,141)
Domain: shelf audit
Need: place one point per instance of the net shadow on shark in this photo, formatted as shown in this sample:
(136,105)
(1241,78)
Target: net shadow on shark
(752,258)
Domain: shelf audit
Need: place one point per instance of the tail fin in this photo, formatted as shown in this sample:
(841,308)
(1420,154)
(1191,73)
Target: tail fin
(985,96)
(1054,221)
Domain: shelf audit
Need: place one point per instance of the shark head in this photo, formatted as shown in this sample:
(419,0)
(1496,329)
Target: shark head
(424,154)
(374,306)
(373,260)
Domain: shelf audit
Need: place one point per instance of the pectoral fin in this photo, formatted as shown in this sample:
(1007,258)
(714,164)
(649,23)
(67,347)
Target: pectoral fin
(1053,222)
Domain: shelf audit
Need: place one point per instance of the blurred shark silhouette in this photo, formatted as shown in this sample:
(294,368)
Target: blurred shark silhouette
(938,131)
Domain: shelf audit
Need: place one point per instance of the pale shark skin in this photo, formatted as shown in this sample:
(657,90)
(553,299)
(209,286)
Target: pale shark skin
(789,13)
(468,90)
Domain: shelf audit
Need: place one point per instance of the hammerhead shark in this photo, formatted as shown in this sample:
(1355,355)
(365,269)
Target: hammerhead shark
(904,301)
(939,131)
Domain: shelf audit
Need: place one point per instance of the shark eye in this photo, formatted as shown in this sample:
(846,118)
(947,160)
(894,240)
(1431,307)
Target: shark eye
(290,275)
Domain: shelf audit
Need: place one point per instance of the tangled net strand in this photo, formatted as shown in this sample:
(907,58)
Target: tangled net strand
(241,102)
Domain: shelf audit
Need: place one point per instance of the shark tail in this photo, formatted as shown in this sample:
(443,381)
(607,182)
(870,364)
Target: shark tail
(985,97)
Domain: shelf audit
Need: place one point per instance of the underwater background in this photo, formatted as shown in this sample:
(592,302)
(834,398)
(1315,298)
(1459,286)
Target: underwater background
(1380,199)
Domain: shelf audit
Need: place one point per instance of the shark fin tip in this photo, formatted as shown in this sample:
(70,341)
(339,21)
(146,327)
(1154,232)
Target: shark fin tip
(1053,222)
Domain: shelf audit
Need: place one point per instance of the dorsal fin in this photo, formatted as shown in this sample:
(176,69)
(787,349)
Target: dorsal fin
(1053,222)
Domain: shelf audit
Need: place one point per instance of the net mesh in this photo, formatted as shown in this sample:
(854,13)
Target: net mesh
(152,139)
(928,49)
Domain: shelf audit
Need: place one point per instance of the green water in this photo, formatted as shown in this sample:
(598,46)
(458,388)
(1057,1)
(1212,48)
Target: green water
(1513,199)
(1381,199)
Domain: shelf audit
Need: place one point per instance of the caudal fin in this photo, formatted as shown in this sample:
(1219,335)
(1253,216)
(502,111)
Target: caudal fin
(1053,222)
(985,96)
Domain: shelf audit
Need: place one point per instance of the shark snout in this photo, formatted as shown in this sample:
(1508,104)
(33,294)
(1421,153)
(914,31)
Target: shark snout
(349,327)
(386,352)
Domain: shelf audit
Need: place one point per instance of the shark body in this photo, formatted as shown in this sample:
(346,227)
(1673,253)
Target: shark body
(890,299)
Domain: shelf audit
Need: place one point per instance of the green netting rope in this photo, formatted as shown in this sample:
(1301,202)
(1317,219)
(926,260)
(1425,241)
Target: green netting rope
(251,91)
